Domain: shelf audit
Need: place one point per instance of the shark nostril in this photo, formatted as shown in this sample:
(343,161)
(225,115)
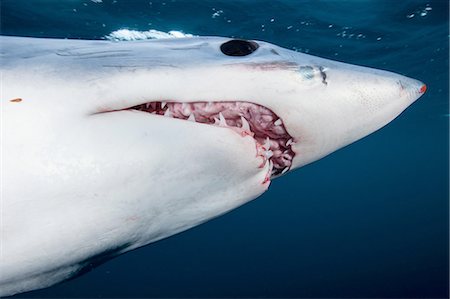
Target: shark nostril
(423,88)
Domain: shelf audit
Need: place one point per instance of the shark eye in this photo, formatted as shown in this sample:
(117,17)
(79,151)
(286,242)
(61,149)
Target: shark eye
(238,47)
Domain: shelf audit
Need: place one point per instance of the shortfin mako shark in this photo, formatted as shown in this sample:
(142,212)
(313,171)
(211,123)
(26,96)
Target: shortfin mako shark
(109,146)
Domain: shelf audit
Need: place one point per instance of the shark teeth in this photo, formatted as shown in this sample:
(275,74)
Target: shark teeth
(278,122)
(245,125)
(191,117)
(186,109)
(267,143)
(167,113)
(222,121)
(163,104)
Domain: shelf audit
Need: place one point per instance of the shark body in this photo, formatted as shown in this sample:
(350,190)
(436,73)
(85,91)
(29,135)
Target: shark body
(110,146)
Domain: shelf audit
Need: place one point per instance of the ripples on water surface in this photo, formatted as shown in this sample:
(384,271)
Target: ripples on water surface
(368,221)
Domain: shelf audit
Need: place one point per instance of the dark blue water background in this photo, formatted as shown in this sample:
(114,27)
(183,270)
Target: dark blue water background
(370,220)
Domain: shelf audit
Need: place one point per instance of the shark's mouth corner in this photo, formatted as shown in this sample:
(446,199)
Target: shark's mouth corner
(273,142)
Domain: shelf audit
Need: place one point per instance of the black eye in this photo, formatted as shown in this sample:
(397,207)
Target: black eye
(238,47)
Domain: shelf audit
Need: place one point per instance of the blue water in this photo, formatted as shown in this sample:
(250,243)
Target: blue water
(370,220)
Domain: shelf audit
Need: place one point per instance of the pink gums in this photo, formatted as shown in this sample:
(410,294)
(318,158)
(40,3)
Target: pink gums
(273,143)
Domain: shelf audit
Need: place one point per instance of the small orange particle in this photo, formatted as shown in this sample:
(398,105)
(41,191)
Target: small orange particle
(17,100)
(423,89)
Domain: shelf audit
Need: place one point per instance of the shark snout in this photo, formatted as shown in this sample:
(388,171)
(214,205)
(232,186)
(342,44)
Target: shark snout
(351,103)
(411,88)
(374,96)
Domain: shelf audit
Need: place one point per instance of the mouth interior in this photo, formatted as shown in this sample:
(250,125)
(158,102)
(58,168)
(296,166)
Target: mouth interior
(273,142)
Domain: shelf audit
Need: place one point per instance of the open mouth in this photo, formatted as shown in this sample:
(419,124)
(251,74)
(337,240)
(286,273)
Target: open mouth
(273,142)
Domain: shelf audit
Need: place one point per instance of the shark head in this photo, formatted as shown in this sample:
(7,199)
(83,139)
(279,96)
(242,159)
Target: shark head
(121,144)
(297,107)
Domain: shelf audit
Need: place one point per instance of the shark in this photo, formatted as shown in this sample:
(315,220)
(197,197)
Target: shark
(109,146)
